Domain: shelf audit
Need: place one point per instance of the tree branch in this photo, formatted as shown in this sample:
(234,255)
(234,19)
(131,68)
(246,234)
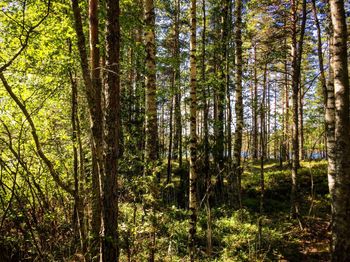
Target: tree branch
(26,40)
(53,172)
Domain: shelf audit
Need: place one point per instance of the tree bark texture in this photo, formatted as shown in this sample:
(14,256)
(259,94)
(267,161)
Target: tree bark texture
(341,197)
(151,103)
(110,248)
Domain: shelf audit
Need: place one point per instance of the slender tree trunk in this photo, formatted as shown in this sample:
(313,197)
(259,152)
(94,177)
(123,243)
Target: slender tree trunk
(297,47)
(283,122)
(223,84)
(295,92)
(110,248)
(170,135)
(329,103)
(286,131)
(152,141)
(255,108)
(78,194)
(178,124)
(193,135)
(276,142)
(330,127)
(97,126)
(206,102)
(129,95)
(301,124)
(251,135)
(206,134)
(239,100)
(268,120)
(93,92)
(262,140)
(151,149)
(82,176)
(140,86)
(228,27)
(341,197)
(162,131)
(220,101)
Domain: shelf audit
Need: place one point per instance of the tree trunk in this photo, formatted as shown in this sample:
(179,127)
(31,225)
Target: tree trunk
(268,120)
(228,27)
(193,135)
(286,131)
(151,149)
(295,92)
(93,92)
(329,125)
(97,126)
(206,102)
(110,248)
(283,122)
(341,200)
(262,140)
(152,142)
(168,180)
(255,108)
(329,104)
(178,124)
(78,194)
(140,86)
(276,142)
(239,100)
(301,123)
(297,47)
(161,147)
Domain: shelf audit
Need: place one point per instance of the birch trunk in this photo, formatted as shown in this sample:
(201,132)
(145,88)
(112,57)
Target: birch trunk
(341,196)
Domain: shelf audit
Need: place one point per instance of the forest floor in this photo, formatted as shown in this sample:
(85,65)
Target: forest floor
(153,219)
(241,235)
(307,239)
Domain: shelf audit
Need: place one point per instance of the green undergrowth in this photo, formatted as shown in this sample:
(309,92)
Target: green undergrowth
(278,185)
(151,219)
(238,235)
(235,235)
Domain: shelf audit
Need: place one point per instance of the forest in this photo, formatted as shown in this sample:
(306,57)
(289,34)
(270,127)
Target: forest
(174,130)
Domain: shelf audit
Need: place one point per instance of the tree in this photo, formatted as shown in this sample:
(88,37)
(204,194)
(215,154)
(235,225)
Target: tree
(110,248)
(78,165)
(193,132)
(255,107)
(96,122)
(93,91)
(328,100)
(341,204)
(263,139)
(297,51)
(151,149)
(239,99)
(177,111)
